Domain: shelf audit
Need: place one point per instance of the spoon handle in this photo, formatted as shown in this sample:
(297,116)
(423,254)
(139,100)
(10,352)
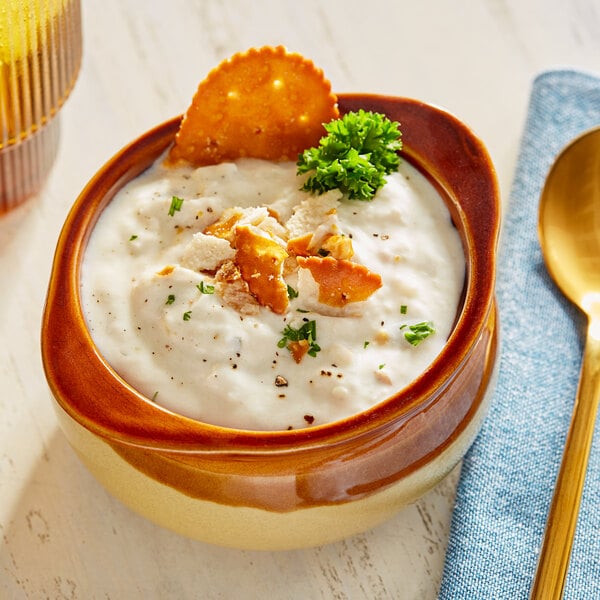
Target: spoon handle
(554,556)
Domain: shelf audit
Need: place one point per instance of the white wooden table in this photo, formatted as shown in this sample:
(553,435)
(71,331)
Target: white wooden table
(61,535)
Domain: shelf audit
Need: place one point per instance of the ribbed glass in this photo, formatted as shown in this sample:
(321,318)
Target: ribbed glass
(40,55)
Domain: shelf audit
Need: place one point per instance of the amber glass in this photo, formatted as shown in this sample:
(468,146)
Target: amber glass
(40,54)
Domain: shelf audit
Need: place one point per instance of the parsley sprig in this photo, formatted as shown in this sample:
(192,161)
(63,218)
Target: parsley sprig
(359,150)
(307,331)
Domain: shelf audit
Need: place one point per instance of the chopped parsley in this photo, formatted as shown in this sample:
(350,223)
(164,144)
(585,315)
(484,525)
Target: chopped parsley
(307,331)
(187,315)
(418,332)
(205,288)
(403,309)
(176,204)
(291,292)
(133,237)
(358,151)
(170,299)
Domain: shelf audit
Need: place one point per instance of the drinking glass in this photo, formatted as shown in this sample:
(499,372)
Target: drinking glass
(40,55)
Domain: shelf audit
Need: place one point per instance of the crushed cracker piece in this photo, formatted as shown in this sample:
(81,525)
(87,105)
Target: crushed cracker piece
(298,349)
(299,246)
(261,261)
(224,226)
(340,281)
(338,246)
(234,291)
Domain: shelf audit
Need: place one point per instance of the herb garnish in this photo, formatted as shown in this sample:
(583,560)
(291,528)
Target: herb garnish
(133,237)
(307,331)
(176,204)
(418,332)
(170,299)
(205,288)
(291,292)
(187,315)
(358,151)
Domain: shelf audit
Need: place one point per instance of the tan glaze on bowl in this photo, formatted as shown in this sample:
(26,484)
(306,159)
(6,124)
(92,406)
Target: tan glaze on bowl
(284,489)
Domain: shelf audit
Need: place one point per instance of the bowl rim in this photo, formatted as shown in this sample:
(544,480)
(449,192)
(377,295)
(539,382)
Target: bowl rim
(69,354)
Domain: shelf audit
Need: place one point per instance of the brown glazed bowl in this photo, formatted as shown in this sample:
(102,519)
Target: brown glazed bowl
(284,489)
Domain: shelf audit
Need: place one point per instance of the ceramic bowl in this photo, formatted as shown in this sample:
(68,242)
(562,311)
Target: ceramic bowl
(284,489)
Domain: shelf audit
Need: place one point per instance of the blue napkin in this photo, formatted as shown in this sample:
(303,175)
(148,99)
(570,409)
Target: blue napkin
(507,477)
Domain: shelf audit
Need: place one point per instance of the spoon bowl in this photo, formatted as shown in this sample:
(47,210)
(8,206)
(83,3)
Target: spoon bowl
(569,220)
(569,232)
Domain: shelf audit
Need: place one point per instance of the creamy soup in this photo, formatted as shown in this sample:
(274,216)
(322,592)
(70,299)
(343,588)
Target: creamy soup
(179,299)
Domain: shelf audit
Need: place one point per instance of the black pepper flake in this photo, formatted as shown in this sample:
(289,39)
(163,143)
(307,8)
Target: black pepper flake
(309,419)
(281,381)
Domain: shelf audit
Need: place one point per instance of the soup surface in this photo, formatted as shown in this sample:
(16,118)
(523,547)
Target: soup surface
(227,294)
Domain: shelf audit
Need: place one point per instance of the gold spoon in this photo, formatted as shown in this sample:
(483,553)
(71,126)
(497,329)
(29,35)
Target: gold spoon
(569,232)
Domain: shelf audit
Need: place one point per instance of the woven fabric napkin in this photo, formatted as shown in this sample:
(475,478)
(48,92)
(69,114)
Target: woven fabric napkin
(507,477)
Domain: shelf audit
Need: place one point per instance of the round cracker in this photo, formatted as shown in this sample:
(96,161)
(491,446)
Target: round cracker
(263,103)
